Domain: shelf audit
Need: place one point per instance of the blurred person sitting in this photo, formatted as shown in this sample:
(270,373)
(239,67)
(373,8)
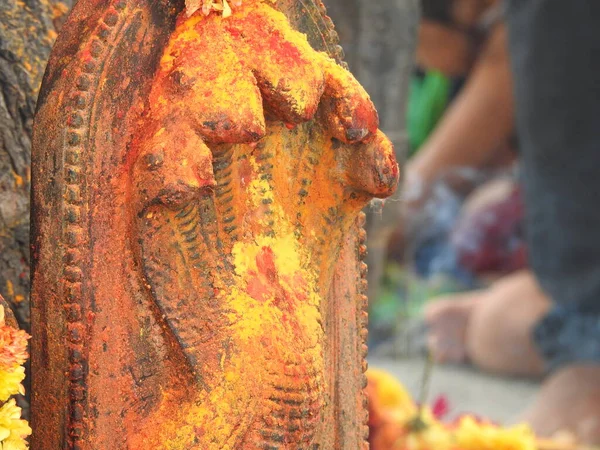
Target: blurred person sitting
(460,115)
(545,320)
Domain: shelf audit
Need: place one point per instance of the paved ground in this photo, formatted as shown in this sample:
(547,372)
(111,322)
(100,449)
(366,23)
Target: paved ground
(498,399)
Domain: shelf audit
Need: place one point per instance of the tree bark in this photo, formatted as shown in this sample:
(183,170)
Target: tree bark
(27,32)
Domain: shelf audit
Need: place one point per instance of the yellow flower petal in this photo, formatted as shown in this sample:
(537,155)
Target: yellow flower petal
(10,382)
(471,435)
(13,430)
(226,9)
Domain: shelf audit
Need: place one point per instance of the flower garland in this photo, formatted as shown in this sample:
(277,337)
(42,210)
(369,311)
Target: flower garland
(397,423)
(13,354)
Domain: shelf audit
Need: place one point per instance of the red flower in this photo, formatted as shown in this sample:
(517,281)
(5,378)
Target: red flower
(440,407)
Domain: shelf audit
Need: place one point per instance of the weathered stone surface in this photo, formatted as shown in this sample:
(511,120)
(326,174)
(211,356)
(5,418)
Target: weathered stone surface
(197,235)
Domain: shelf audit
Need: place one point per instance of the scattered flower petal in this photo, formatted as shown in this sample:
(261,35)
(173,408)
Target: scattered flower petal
(441,407)
(10,382)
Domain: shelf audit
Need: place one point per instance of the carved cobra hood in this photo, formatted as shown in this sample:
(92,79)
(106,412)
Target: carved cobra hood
(197,235)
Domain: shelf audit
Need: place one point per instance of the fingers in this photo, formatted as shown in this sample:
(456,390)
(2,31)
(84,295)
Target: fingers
(294,78)
(286,67)
(372,167)
(202,80)
(261,60)
(346,107)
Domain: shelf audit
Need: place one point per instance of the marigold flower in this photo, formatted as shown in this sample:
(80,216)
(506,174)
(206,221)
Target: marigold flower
(434,436)
(10,382)
(473,435)
(389,394)
(397,423)
(13,347)
(13,344)
(13,430)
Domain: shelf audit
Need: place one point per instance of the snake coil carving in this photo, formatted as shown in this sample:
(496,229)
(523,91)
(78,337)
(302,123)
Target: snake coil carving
(197,235)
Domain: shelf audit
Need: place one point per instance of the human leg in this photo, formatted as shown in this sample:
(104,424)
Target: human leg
(554,49)
(491,328)
(555,53)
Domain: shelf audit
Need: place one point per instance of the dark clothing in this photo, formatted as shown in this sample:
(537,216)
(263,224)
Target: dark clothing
(555,57)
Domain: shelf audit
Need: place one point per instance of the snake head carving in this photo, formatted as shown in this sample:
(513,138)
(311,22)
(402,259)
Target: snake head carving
(249,171)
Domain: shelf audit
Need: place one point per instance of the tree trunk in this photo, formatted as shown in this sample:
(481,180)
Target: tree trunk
(27,32)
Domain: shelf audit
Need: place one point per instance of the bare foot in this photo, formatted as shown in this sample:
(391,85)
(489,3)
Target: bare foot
(447,319)
(499,334)
(569,401)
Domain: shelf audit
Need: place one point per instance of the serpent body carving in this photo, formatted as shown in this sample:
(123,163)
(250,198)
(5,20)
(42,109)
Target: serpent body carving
(210,191)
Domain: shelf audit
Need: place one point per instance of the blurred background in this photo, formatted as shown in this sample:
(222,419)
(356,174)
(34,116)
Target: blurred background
(438,72)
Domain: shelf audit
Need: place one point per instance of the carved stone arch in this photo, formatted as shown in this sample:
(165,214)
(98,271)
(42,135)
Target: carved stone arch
(99,356)
(97,80)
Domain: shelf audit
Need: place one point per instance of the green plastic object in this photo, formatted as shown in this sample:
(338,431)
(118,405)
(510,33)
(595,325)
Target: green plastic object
(428,99)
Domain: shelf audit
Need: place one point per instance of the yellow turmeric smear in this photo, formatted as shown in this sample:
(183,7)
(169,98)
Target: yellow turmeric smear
(266,329)
(262,336)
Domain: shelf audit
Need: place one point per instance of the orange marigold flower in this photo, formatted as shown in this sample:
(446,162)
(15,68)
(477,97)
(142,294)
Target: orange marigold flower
(13,345)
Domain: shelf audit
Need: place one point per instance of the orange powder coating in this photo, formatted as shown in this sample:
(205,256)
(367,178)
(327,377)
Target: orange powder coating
(274,336)
(297,192)
(258,42)
(273,301)
(210,231)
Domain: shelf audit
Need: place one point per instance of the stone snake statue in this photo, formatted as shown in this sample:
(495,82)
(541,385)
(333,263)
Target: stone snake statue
(198,181)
